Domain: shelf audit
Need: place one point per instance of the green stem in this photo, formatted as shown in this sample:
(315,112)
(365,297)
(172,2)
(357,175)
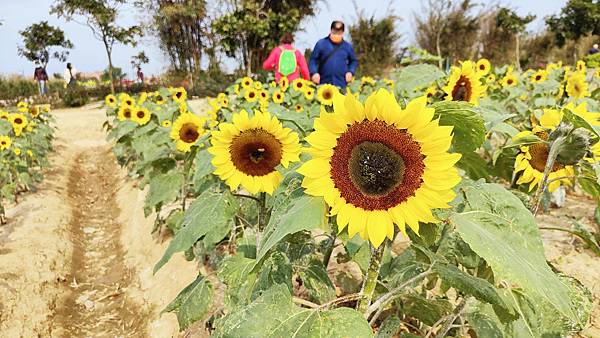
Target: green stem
(370,281)
(552,153)
(327,254)
(262,217)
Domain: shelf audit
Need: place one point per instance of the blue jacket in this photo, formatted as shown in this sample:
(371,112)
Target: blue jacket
(335,69)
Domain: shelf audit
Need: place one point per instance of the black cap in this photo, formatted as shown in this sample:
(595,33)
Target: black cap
(337,25)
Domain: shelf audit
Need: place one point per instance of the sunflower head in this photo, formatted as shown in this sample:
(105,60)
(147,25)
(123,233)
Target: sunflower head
(141,115)
(143,97)
(248,151)
(299,108)
(5,142)
(34,111)
(278,97)
(284,83)
(166,123)
(19,122)
(110,100)
(380,165)
(581,66)
(4,115)
(539,76)
(258,85)
(186,131)
(250,95)
(463,84)
(430,92)
(577,87)
(179,94)
(325,94)
(246,82)
(509,80)
(159,99)
(309,93)
(125,113)
(17,151)
(483,67)
(263,95)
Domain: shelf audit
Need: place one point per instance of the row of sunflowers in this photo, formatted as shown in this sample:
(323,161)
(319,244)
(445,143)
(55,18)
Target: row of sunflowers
(26,135)
(403,206)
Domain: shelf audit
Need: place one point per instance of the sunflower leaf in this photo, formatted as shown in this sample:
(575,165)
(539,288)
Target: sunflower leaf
(416,76)
(273,314)
(163,189)
(469,126)
(499,228)
(192,303)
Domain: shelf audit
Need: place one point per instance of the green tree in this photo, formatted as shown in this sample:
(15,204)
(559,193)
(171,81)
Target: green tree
(374,41)
(100,16)
(139,60)
(515,25)
(38,41)
(252,27)
(577,19)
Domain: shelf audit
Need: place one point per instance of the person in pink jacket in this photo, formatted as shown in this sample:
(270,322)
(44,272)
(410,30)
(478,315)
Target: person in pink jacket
(277,59)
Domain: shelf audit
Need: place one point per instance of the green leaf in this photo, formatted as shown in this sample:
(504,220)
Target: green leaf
(208,211)
(389,327)
(192,303)
(315,279)
(426,310)
(417,76)
(474,166)
(163,189)
(502,231)
(303,213)
(274,315)
(579,122)
(122,129)
(469,127)
(203,164)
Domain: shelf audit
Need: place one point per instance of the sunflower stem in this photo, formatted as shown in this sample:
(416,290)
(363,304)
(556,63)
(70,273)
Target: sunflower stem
(552,154)
(262,217)
(370,281)
(327,254)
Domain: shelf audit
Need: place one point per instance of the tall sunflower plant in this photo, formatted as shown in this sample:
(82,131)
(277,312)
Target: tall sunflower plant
(26,134)
(350,215)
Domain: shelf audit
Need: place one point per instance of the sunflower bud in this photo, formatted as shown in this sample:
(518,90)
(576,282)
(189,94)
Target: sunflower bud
(575,143)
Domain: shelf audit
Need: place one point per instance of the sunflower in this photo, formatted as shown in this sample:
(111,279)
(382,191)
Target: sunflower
(483,67)
(22,106)
(29,153)
(273,84)
(577,87)
(326,93)
(248,151)
(367,80)
(186,131)
(34,111)
(246,82)
(509,80)
(284,83)
(258,85)
(298,108)
(19,122)
(430,92)
(539,76)
(531,160)
(166,123)
(250,95)
(380,165)
(127,100)
(309,93)
(5,142)
(4,115)
(110,100)
(141,115)
(278,97)
(179,95)
(463,84)
(491,78)
(298,85)
(159,99)
(124,113)
(224,102)
(581,67)
(263,95)
(17,151)
(390,83)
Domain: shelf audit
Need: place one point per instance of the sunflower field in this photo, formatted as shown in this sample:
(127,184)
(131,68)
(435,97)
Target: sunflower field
(26,135)
(403,207)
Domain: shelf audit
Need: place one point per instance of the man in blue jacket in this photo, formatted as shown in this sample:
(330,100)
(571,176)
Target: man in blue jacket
(333,60)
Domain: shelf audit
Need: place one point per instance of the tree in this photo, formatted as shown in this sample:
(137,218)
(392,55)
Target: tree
(253,27)
(446,29)
(38,41)
(577,19)
(374,42)
(100,16)
(515,25)
(139,60)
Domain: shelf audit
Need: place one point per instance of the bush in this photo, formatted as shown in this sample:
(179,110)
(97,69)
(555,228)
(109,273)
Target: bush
(592,61)
(76,97)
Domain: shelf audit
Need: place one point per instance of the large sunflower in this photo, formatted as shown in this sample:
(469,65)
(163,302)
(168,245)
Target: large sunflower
(463,84)
(577,87)
(187,130)
(5,142)
(380,165)
(325,94)
(531,160)
(248,151)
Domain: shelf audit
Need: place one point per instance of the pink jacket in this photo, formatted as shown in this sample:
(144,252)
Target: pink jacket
(272,63)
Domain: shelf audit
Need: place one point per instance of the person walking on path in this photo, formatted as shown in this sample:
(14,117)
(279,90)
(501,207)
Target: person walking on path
(40,75)
(69,75)
(594,49)
(286,60)
(333,60)
(140,75)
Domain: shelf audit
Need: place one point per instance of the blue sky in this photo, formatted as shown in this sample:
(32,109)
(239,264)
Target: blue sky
(89,54)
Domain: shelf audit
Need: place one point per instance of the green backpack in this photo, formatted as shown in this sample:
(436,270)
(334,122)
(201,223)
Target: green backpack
(287,61)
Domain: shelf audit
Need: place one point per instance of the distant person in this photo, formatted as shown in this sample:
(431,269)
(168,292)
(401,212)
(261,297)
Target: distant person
(286,60)
(333,60)
(594,49)
(140,75)
(69,75)
(40,75)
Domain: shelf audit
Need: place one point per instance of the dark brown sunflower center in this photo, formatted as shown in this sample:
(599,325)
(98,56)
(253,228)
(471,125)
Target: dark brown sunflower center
(18,120)
(3,143)
(539,157)
(189,133)
(141,114)
(299,85)
(538,77)
(256,152)
(127,113)
(251,94)
(481,67)
(462,89)
(327,95)
(376,166)
(179,94)
(509,81)
(4,117)
(129,102)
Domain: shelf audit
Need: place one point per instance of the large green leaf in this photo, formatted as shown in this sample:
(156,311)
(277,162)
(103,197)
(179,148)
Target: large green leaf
(417,76)
(500,229)
(469,126)
(315,279)
(303,213)
(208,211)
(274,315)
(474,166)
(163,189)
(192,303)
